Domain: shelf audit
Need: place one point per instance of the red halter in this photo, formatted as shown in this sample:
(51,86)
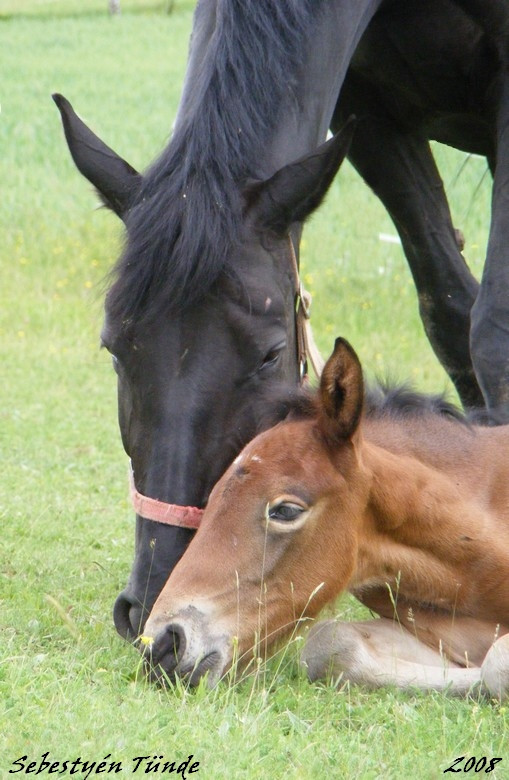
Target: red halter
(190,516)
(170,514)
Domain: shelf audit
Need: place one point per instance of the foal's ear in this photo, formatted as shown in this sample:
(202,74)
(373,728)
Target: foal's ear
(296,190)
(116,181)
(341,392)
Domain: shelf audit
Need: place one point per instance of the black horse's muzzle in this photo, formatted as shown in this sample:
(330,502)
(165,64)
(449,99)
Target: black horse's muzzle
(129,617)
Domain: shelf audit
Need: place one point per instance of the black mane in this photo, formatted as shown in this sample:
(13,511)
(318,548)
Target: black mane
(187,218)
(381,400)
(401,400)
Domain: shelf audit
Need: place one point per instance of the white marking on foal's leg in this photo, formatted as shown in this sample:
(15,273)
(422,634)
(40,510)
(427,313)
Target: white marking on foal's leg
(495,669)
(375,653)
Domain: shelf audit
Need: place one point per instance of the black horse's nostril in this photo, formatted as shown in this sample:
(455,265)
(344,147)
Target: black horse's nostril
(167,649)
(128,618)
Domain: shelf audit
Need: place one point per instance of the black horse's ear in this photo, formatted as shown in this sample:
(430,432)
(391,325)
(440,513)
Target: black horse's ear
(115,180)
(296,190)
(341,393)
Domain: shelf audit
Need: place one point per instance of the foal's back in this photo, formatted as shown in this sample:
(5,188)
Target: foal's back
(475,457)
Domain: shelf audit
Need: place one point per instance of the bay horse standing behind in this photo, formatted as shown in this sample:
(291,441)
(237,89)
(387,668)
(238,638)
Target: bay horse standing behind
(401,501)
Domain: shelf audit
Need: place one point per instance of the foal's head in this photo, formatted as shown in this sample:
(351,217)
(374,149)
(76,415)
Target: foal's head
(278,538)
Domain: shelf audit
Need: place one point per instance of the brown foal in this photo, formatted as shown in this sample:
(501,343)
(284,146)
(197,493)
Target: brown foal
(409,511)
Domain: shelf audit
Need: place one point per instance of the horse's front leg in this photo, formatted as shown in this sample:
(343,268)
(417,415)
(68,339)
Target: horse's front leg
(400,169)
(490,313)
(376,653)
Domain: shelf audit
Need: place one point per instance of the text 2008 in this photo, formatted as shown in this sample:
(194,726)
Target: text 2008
(482,764)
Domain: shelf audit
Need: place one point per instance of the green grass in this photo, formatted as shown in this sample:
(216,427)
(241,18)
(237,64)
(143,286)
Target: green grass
(14,9)
(68,684)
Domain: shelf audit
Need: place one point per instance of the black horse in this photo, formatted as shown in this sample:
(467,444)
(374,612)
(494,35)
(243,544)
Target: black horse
(200,317)
(439,70)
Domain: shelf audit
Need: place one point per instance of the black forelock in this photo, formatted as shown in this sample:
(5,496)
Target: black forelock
(187,218)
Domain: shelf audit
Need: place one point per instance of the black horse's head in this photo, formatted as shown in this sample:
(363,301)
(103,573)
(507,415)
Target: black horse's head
(199,337)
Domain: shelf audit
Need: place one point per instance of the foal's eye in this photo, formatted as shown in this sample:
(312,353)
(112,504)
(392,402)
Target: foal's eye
(285,513)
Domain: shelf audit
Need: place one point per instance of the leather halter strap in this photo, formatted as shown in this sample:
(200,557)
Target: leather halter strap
(161,512)
(306,345)
(190,516)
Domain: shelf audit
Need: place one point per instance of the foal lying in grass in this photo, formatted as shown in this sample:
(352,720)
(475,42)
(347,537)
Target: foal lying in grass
(402,503)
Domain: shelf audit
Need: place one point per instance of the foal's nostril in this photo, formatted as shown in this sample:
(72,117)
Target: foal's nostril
(168,648)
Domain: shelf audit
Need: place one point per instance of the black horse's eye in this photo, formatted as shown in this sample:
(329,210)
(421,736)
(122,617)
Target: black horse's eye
(272,357)
(114,359)
(285,512)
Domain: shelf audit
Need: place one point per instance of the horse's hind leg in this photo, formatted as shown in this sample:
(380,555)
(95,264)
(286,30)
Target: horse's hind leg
(490,314)
(399,167)
(376,653)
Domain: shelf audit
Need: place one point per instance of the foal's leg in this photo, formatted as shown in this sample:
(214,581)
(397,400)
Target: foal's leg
(380,652)
(464,640)
(495,669)
(399,167)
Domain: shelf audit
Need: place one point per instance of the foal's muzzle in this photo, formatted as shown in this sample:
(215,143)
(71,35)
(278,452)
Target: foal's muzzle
(185,648)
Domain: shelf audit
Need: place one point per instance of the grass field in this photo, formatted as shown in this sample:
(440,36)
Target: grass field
(68,684)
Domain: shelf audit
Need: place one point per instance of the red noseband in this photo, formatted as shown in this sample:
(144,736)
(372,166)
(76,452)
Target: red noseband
(160,512)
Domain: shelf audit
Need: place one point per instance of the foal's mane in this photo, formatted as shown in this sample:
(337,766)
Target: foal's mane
(188,214)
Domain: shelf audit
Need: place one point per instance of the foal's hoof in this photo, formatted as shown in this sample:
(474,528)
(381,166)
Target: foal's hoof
(495,669)
(335,649)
